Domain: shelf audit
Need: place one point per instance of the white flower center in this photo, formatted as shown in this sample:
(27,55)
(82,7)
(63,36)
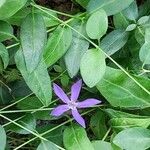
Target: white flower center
(72,105)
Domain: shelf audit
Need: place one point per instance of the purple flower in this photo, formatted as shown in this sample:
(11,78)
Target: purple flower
(72,103)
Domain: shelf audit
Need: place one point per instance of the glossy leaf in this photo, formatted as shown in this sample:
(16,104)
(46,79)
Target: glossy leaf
(92,67)
(31,41)
(110,6)
(76,50)
(131,27)
(47,145)
(2,138)
(6,31)
(38,81)
(128,96)
(144,53)
(120,21)
(75,137)
(28,121)
(57,45)
(114,41)
(131,12)
(10,7)
(123,123)
(100,20)
(4,55)
(102,145)
(139,136)
(140,35)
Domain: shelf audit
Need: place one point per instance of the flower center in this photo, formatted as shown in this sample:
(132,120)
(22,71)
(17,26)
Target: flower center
(72,105)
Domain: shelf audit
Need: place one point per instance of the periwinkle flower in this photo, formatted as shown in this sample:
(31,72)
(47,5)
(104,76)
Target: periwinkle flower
(72,104)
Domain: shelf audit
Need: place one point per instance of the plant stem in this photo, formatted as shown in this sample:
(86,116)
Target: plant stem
(96,46)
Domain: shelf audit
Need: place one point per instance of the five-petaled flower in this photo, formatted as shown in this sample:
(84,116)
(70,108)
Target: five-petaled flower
(72,103)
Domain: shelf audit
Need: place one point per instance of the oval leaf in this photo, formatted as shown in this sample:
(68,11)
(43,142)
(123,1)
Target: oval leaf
(47,145)
(77,49)
(6,31)
(100,20)
(139,136)
(38,81)
(110,6)
(114,41)
(92,67)
(4,55)
(2,138)
(116,88)
(75,138)
(145,53)
(57,45)
(10,7)
(31,41)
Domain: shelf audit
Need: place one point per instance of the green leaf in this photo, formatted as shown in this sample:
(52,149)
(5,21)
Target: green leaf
(114,41)
(5,95)
(95,60)
(31,41)
(18,17)
(49,21)
(28,121)
(97,124)
(122,91)
(110,6)
(140,35)
(29,103)
(144,53)
(100,20)
(123,123)
(10,7)
(120,114)
(77,49)
(38,81)
(57,45)
(131,12)
(2,138)
(47,145)
(83,3)
(120,21)
(131,27)
(6,31)
(139,136)
(101,145)
(75,138)
(4,55)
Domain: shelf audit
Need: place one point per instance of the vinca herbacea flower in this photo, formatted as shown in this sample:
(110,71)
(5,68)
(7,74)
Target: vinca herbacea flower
(72,103)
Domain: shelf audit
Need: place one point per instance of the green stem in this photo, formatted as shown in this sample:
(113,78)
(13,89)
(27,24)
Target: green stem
(48,131)
(96,46)
(21,111)
(105,136)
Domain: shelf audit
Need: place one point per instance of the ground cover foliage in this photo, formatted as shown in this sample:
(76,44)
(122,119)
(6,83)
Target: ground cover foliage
(76,78)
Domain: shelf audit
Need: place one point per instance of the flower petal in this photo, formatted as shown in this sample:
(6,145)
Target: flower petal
(88,103)
(78,117)
(60,93)
(59,110)
(75,90)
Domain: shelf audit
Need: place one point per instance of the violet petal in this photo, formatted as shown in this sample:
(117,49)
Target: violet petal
(78,117)
(60,93)
(75,90)
(88,103)
(59,110)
